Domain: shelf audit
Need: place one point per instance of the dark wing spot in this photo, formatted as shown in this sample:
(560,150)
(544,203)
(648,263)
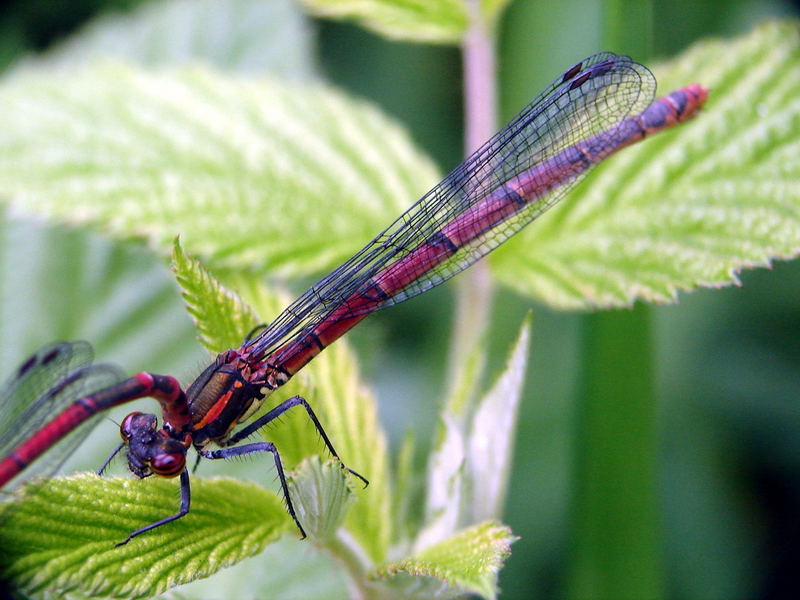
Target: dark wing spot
(580,80)
(26,366)
(572,72)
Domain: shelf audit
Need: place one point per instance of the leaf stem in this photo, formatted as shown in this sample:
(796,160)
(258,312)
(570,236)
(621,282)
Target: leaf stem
(474,288)
(480,82)
(615,512)
(616,552)
(347,552)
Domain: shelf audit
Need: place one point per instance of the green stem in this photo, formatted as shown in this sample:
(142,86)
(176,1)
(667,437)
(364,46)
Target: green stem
(616,548)
(474,288)
(347,553)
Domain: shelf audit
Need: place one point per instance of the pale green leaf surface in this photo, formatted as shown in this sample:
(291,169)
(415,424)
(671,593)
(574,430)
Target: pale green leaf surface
(64,284)
(690,207)
(404,516)
(250,36)
(61,533)
(285,178)
(321,495)
(466,562)
(435,21)
(221,316)
(491,437)
(445,483)
(461,395)
(470,460)
(265,300)
(282,569)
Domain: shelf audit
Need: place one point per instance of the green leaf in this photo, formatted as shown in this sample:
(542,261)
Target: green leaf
(444,502)
(461,395)
(251,36)
(469,464)
(61,284)
(404,514)
(465,563)
(239,168)
(435,21)
(321,495)
(690,207)
(286,569)
(221,316)
(492,432)
(61,534)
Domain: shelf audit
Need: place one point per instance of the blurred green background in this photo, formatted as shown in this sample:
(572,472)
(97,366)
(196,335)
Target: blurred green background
(727,360)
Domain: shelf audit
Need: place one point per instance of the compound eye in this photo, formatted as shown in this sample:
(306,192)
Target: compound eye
(168,464)
(128,425)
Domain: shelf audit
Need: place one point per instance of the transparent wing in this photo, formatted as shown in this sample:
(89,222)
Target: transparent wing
(41,387)
(588,99)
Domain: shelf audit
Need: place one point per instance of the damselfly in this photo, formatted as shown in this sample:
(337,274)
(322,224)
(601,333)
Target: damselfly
(594,109)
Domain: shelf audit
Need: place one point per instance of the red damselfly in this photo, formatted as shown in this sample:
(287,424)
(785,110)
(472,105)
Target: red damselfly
(594,109)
